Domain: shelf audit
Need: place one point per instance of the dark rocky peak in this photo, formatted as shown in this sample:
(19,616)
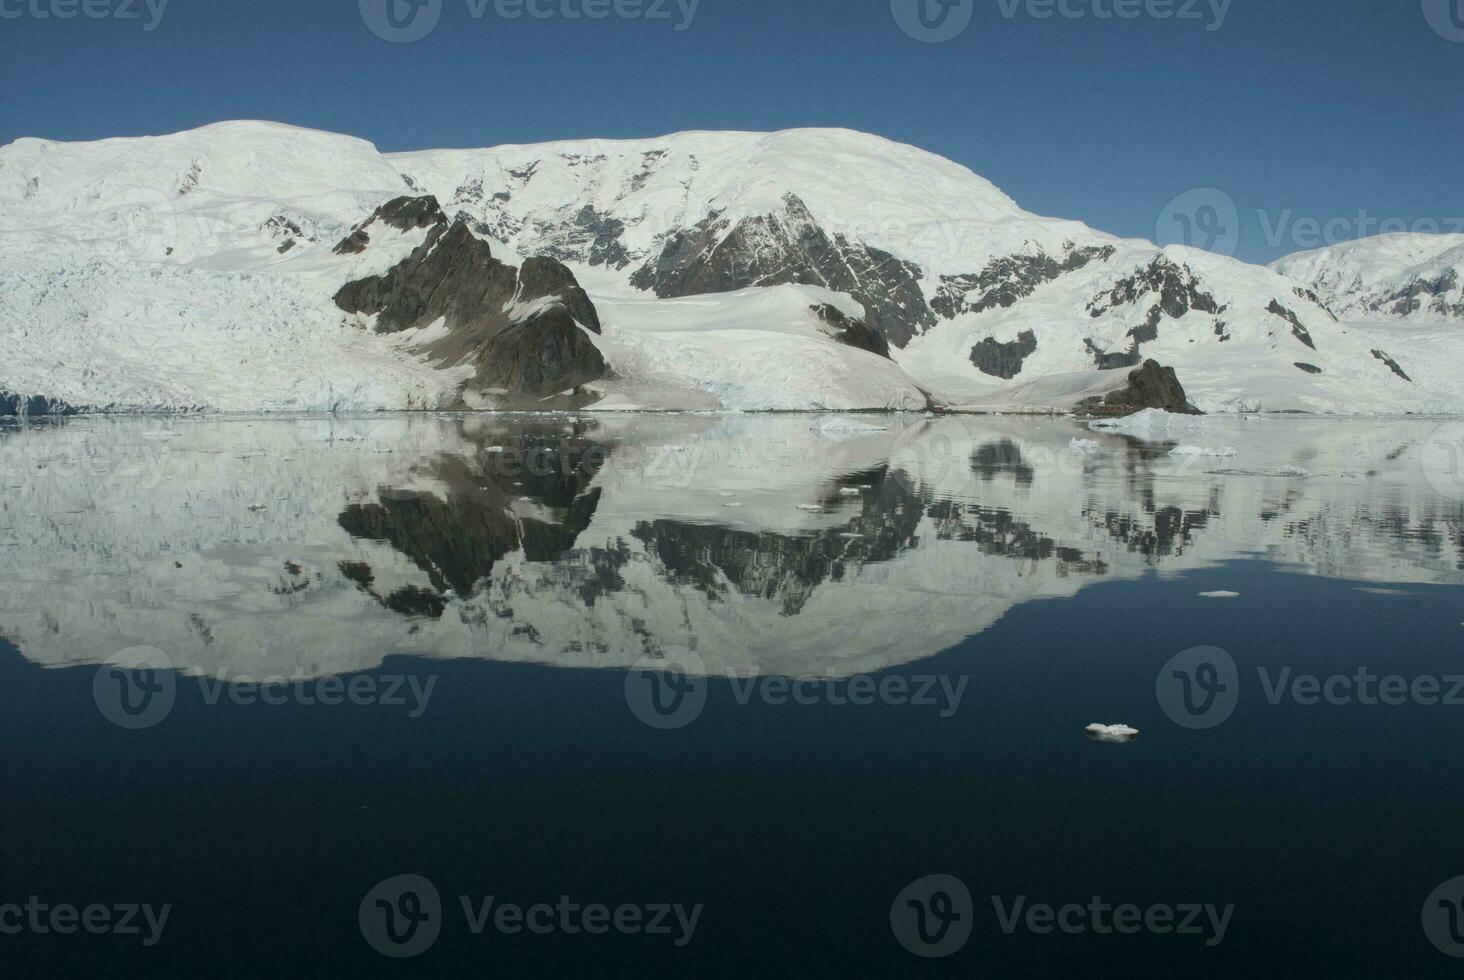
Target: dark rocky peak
(545,278)
(401,213)
(1298,330)
(1007,280)
(789,247)
(1150,386)
(850,331)
(520,329)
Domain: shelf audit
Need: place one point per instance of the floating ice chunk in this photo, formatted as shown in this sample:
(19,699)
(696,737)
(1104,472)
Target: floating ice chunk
(1219,595)
(816,508)
(1153,423)
(732,505)
(843,427)
(851,491)
(1203,451)
(1083,446)
(1112,733)
(1293,471)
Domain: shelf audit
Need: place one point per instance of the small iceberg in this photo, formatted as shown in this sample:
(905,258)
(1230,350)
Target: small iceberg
(1112,733)
(1153,424)
(1219,595)
(841,428)
(1083,446)
(1202,451)
(851,491)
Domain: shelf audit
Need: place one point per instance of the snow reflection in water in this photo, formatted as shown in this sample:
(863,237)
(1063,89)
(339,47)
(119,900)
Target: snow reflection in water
(790,544)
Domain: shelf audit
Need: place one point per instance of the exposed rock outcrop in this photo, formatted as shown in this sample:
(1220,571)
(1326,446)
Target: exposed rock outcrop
(850,331)
(1150,386)
(1298,329)
(401,213)
(1175,292)
(32,406)
(1010,279)
(790,247)
(1424,295)
(1392,365)
(1004,360)
(524,331)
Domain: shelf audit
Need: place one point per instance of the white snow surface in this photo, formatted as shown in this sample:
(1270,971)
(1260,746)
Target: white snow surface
(140,274)
(1362,279)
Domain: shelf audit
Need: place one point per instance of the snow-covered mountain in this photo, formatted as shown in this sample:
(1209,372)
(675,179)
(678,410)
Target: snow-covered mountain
(1410,278)
(810,269)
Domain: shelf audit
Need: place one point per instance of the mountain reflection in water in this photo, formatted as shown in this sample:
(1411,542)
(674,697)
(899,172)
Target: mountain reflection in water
(802,545)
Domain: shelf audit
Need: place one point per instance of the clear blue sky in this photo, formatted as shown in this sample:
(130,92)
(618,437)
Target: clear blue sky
(1322,107)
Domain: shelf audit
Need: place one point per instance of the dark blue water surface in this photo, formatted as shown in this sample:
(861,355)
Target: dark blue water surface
(795,826)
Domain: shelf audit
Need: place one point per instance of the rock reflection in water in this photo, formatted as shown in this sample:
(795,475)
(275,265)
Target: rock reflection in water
(796,544)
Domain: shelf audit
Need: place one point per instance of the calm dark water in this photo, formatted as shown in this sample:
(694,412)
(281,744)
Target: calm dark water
(1051,586)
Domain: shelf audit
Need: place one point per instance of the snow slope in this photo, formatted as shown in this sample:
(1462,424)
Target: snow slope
(1413,278)
(196,271)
